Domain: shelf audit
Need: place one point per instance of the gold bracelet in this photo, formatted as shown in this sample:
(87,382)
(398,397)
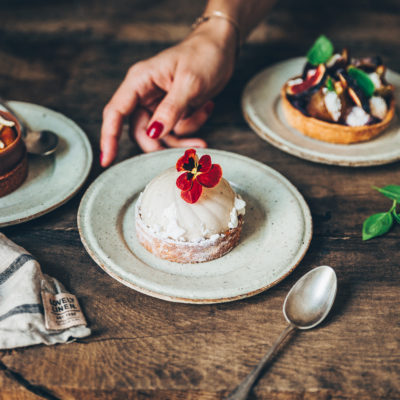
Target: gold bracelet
(218,14)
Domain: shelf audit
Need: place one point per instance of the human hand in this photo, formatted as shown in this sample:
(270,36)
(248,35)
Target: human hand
(171,92)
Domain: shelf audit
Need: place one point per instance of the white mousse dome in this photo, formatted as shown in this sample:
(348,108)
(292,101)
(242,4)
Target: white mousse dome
(164,211)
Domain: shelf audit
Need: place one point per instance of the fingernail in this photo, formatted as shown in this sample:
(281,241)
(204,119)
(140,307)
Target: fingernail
(155,130)
(101,157)
(209,107)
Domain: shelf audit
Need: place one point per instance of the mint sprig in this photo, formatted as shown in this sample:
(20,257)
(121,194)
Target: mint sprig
(330,85)
(321,51)
(391,191)
(379,224)
(363,80)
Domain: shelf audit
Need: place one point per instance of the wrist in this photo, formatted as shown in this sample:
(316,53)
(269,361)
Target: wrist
(221,32)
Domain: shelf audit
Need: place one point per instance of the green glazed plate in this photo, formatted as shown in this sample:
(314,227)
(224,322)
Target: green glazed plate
(51,180)
(276,233)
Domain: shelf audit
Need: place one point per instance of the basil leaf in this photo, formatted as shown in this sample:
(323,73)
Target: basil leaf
(391,191)
(321,51)
(377,225)
(396,216)
(363,80)
(330,85)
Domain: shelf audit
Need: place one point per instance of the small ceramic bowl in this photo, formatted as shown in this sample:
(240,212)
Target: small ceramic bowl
(13,161)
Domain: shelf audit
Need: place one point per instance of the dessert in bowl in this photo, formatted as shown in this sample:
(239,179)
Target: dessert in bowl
(337,98)
(13,155)
(189,213)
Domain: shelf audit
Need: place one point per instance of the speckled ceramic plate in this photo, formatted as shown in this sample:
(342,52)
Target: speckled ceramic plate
(51,180)
(262,108)
(276,233)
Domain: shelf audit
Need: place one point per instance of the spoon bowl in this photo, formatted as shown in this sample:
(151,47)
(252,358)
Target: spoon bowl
(311,298)
(42,143)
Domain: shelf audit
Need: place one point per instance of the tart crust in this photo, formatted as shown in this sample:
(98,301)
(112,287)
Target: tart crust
(332,132)
(14,178)
(187,252)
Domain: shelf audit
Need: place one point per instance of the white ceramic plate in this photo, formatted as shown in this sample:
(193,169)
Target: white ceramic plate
(262,108)
(51,180)
(276,233)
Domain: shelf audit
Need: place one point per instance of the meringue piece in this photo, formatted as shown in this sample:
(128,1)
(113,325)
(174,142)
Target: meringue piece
(333,104)
(357,117)
(378,107)
(376,80)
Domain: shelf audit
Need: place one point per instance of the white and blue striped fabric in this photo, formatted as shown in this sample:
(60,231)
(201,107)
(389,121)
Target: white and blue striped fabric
(22,321)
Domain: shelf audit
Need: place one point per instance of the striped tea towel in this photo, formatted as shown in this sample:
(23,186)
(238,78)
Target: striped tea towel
(34,308)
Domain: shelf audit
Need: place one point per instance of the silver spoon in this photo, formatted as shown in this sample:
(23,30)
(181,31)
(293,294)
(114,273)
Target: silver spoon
(306,305)
(42,142)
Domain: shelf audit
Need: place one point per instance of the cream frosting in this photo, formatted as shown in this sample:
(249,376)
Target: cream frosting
(6,122)
(162,209)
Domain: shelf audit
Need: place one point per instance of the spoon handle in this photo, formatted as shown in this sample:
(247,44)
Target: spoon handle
(242,391)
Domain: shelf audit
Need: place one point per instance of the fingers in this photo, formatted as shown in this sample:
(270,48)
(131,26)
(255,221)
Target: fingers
(173,141)
(172,107)
(139,122)
(195,121)
(121,105)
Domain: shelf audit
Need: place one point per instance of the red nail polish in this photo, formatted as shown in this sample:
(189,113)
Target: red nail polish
(209,107)
(101,157)
(155,130)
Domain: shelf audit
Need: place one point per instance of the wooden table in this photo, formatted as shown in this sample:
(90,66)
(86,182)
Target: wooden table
(70,56)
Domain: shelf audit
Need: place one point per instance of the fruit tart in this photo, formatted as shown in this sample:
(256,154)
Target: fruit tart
(13,156)
(189,213)
(337,98)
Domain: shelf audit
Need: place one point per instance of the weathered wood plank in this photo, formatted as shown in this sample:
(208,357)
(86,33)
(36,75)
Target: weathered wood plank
(71,57)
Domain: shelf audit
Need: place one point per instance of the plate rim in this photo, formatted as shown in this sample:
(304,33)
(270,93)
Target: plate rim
(307,238)
(297,151)
(77,186)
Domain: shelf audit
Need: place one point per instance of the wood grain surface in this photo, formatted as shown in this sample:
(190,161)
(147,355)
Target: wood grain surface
(70,56)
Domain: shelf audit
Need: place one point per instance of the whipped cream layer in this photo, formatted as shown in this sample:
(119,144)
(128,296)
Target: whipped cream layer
(164,211)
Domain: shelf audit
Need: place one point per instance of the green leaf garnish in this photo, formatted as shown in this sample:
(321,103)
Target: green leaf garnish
(363,80)
(321,51)
(391,191)
(377,225)
(330,85)
(396,216)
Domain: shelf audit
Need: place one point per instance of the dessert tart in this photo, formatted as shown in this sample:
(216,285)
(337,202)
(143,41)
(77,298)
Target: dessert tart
(339,99)
(190,213)
(13,156)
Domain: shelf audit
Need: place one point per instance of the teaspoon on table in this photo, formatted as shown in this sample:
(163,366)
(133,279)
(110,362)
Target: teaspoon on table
(306,305)
(42,142)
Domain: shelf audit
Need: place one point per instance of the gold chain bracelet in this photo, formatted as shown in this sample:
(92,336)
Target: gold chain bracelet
(221,15)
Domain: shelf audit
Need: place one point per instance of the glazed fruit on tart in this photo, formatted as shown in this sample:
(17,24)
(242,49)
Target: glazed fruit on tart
(189,213)
(337,98)
(13,157)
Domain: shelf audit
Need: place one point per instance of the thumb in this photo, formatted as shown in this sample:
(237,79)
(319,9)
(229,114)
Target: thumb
(170,110)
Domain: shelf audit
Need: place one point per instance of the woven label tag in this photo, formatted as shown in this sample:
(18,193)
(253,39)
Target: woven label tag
(61,311)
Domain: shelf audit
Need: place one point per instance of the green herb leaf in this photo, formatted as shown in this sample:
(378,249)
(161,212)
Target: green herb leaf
(321,51)
(396,216)
(391,191)
(363,80)
(330,85)
(377,225)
